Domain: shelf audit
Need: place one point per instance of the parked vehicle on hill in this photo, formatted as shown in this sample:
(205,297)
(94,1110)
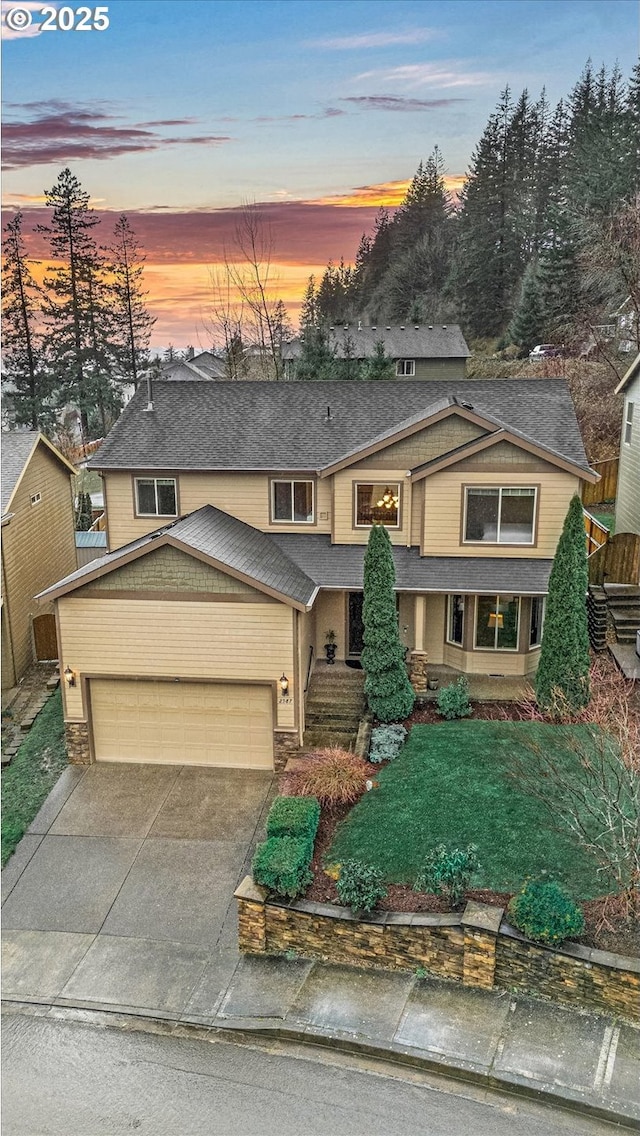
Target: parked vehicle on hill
(546,351)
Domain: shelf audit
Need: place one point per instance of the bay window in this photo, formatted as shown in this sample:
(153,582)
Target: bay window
(497,621)
(455,620)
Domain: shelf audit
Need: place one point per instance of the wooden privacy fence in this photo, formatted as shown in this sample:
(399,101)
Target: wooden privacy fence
(617,561)
(597,534)
(606,488)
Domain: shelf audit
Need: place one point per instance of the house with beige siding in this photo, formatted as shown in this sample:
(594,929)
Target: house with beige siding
(419,351)
(38,546)
(628,494)
(237,520)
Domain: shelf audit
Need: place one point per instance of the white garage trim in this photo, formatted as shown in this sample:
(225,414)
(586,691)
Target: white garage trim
(182,722)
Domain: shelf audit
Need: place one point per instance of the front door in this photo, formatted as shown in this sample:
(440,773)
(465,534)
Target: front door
(356,626)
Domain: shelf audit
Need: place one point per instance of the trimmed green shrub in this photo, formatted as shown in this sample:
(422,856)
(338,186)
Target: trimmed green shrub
(544,912)
(562,678)
(453,700)
(386,742)
(294,816)
(281,864)
(389,692)
(359,885)
(448,871)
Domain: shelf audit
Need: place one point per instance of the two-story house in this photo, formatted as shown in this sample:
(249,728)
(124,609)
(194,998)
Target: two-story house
(38,546)
(238,515)
(419,351)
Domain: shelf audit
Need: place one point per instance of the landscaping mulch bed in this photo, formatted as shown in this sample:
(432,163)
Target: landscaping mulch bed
(605,927)
(426,714)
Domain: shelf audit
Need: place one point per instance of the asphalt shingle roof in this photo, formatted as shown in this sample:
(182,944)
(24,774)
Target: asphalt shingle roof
(16,447)
(224,538)
(400,342)
(285,426)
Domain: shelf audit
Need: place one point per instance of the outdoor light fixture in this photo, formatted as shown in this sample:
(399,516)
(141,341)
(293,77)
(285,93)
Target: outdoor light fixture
(69,676)
(283,682)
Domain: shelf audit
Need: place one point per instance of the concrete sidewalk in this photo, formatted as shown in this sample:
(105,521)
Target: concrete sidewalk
(119,899)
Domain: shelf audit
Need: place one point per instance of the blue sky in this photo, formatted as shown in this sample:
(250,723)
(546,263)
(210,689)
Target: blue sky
(190,108)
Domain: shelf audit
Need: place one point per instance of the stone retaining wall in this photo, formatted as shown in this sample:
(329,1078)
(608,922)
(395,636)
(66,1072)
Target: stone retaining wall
(476,947)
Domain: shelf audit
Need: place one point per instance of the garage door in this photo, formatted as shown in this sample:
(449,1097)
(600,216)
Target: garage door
(190,723)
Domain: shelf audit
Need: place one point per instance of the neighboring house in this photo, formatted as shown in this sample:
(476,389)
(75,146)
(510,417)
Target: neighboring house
(419,352)
(628,495)
(38,545)
(203,366)
(238,515)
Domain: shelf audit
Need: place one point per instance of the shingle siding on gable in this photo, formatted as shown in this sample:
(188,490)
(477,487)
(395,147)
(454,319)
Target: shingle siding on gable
(424,445)
(169,570)
(507,455)
(628,500)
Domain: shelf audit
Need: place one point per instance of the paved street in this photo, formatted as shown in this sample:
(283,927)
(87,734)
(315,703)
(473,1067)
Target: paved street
(65,1079)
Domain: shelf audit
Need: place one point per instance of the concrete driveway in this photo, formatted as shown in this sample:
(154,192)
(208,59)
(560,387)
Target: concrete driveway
(121,892)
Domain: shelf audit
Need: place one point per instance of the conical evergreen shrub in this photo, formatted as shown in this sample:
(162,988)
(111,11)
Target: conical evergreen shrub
(562,678)
(387,687)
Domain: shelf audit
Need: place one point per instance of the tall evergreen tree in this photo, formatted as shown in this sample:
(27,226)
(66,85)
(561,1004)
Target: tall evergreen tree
(75,281)
(527,325)
(131,322)
(23,361)
(387,687)
(379,366)
(562,678)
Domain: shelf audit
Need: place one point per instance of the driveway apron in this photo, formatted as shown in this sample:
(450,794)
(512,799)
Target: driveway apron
(123,893)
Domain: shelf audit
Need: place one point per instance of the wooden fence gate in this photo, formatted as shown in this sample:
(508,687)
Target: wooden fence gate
(617,561)
(45,638)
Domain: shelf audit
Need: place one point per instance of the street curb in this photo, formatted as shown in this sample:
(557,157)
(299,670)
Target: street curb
(276,1028)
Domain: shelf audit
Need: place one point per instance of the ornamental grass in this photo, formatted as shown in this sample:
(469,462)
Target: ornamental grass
(334,776)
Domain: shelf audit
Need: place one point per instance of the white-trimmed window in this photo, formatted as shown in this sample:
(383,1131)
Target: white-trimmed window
(455,620)
(628,423)
(537,621)
(156,497)
(499,515)
(405,368)
(377,503)
(36,498)
(292,502)
(497,623)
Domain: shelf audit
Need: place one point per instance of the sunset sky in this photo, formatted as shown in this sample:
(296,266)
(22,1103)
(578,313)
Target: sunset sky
(318,110)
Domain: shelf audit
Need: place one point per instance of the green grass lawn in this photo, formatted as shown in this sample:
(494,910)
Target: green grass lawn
(451,784)
(606,519)
(32,773)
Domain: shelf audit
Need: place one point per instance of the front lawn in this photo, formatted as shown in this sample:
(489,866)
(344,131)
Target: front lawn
(32,774)
(452,784)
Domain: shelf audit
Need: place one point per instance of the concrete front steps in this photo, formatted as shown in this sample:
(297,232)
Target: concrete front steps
(623,602)
(335,705)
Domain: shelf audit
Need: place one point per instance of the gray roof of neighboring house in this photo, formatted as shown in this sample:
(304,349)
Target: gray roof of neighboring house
(224,538)
(341,566)
(400,341)
(204,366)
(284,426)
(16,446)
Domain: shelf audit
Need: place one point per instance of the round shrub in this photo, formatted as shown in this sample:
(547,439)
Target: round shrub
(333,776)
(545,913)
(453,700)
(386,742)
(359,885)
(448,872)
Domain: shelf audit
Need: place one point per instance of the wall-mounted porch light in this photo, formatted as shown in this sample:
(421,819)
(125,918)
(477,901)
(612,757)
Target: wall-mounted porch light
(283,683)
(69,676)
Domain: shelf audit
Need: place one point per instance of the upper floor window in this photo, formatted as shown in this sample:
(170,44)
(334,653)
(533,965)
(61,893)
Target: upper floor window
(36,498)
(292,502)
(378,504)
(405,368)
(497,620)
(628,423)
(156,497)
(500,516)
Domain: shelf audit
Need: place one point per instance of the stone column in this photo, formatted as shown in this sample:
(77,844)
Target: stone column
(77,739)
(480,923)
(418,671)
(251,917)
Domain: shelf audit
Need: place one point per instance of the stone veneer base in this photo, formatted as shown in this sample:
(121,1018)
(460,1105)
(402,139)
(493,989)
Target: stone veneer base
(476,947)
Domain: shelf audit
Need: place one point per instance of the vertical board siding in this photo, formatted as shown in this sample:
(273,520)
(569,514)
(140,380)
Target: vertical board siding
(230,641)
(628,500)
(39,547)
(444,507)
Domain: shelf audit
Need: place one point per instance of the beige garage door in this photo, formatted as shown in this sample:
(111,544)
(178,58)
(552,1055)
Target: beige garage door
(190,723)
